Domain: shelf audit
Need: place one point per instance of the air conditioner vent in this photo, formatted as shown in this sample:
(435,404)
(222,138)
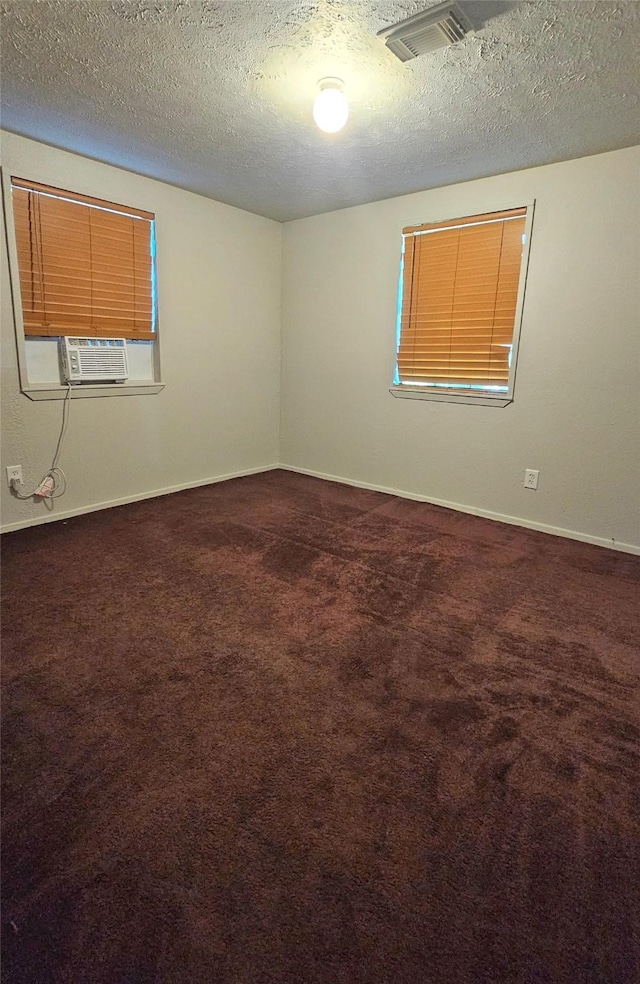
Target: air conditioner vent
(435,28)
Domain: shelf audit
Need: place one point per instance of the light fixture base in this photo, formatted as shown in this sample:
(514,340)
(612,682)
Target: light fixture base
(330,82)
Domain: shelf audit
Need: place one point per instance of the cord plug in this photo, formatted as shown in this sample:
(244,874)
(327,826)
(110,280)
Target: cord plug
(45,488)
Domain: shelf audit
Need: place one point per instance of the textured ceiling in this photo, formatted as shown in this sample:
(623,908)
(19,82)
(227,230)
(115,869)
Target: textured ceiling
(216,97)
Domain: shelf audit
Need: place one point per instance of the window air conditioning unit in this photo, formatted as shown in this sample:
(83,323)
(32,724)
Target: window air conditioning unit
(94,360)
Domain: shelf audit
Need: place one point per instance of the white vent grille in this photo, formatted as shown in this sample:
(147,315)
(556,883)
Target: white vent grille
(435,28)
(94,360)
(94,363)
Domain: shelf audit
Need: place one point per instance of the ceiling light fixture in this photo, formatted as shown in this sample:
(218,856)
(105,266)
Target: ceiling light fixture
(330,107)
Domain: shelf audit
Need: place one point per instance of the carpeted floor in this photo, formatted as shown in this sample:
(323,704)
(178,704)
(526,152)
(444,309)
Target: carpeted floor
(282,731)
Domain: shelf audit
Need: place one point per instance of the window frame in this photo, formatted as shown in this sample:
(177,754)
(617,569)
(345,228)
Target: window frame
(459,394)
(57,390)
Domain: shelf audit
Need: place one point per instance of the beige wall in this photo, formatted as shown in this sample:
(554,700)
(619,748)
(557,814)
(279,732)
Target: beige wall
(219,278)
(576,411)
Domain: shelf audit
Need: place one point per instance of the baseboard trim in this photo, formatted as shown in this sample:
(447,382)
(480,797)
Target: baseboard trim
(597,541)
(97,506)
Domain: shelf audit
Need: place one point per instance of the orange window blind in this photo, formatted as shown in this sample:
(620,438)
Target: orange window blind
(459,296)
(85,265)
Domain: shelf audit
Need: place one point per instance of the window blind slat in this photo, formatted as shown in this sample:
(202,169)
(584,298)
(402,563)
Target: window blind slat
(466,346)
(461,375)
(37,329)
(461,378)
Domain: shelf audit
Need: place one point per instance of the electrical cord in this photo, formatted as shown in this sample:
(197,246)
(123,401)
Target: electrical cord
(53,483)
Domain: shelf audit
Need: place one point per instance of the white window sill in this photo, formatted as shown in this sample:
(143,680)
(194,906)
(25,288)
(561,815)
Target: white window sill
(53,391)
(483,400)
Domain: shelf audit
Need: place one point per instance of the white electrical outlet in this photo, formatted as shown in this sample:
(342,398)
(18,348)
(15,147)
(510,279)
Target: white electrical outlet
(14,474)
(531,478)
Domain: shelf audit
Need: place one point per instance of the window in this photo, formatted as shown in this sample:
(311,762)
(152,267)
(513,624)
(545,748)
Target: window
(459,307)
(85,265)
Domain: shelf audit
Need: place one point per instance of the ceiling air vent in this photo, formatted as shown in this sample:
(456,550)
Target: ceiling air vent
(435,28)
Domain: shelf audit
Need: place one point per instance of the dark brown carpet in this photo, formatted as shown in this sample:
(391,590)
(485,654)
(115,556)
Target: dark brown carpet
(280,730)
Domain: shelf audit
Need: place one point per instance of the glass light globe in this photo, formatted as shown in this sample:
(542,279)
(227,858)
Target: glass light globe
(330,107)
